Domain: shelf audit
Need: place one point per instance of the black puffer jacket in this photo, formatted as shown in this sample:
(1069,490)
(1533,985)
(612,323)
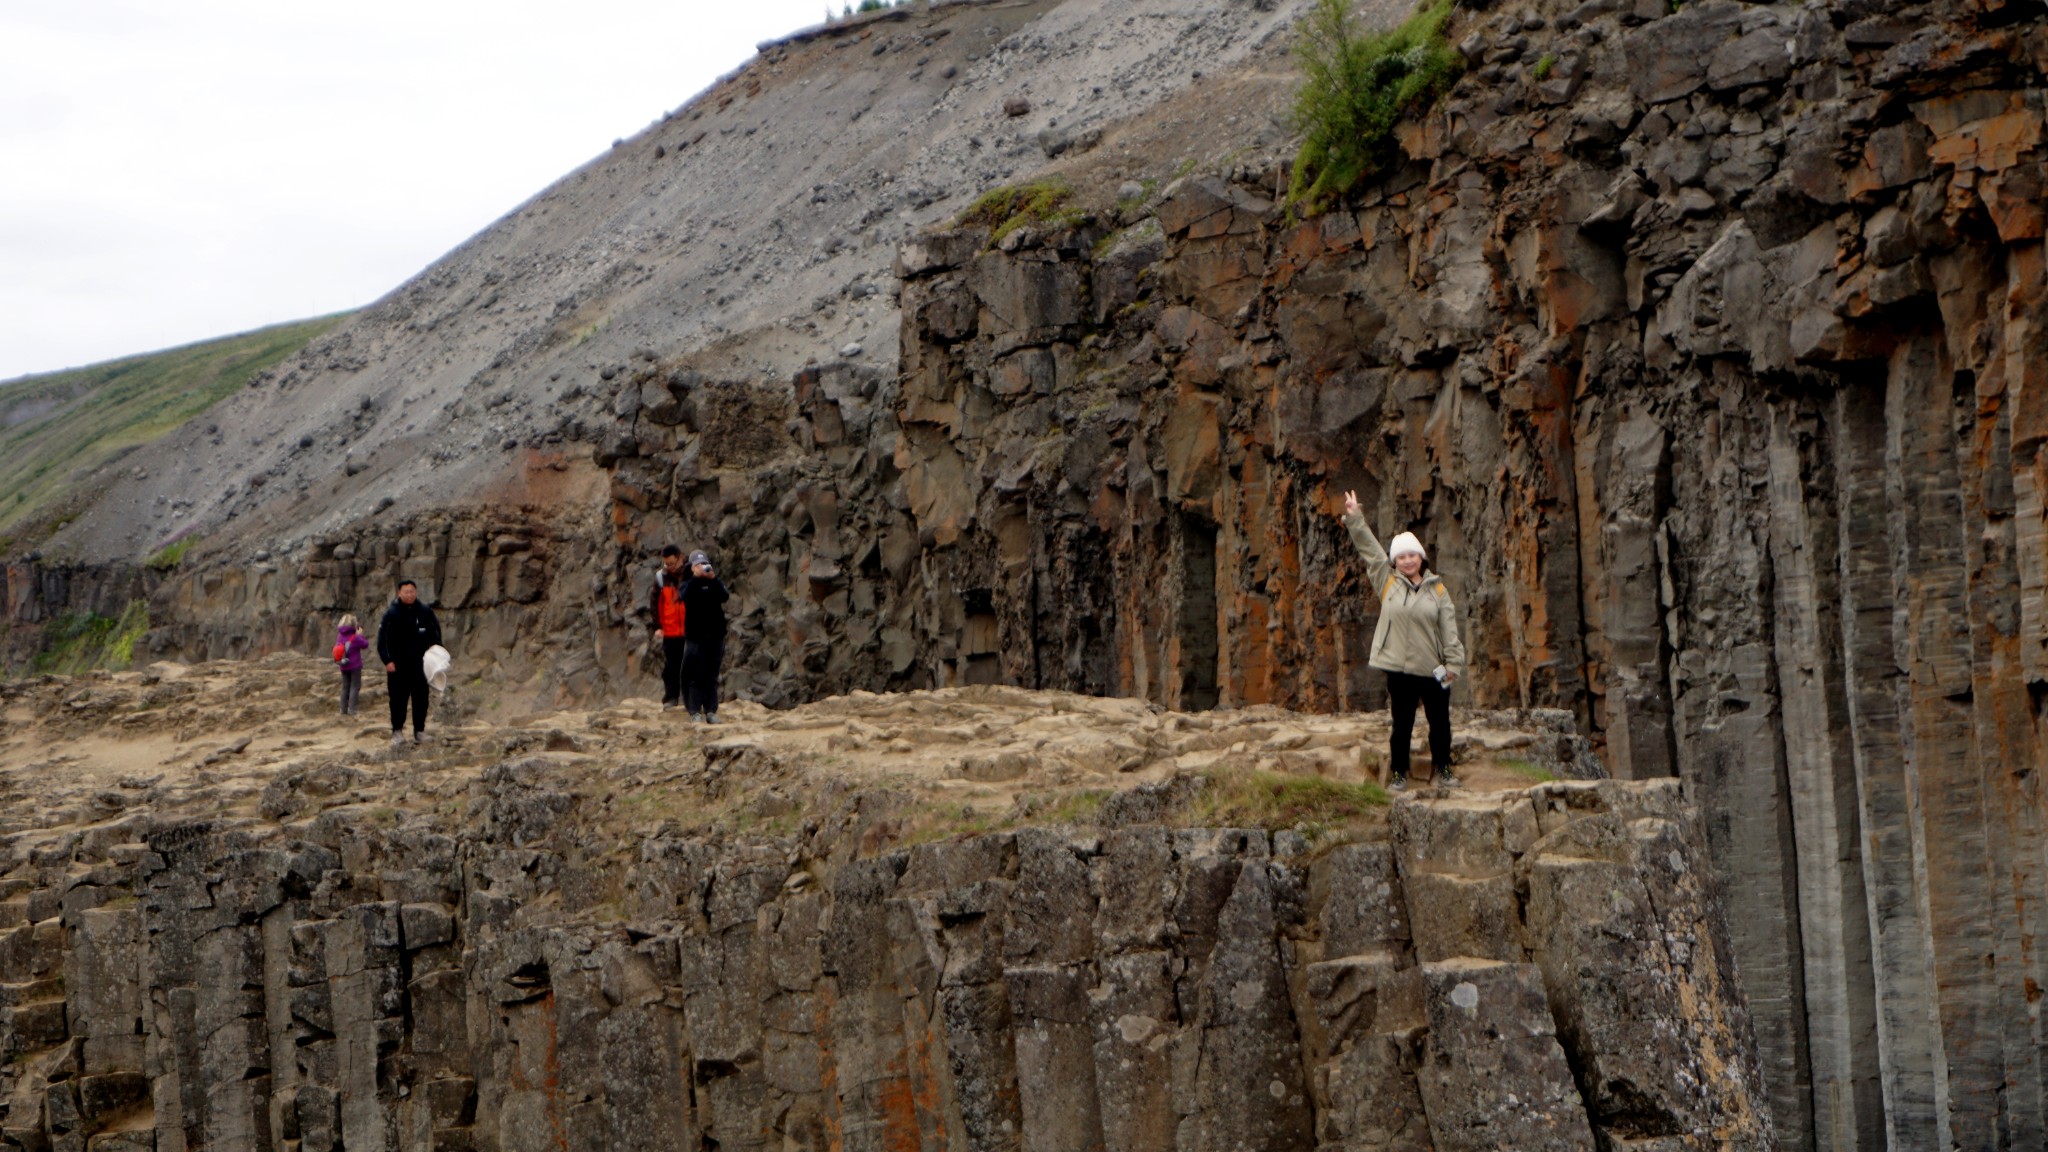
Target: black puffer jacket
(406,632)
(704,609)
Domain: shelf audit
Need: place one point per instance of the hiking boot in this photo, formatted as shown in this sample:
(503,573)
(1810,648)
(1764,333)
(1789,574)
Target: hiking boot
(1399,783)
(668,705)
(1445,778)
(711,717)
(419,737)
(398,739)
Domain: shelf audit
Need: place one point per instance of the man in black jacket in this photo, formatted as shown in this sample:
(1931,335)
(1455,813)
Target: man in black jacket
(403,637)
(704,598)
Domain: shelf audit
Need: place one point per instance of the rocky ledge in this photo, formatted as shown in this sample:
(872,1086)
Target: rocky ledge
(854,925)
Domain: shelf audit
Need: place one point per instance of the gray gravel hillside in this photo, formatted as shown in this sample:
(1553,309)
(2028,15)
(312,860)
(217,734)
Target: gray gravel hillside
(751,230)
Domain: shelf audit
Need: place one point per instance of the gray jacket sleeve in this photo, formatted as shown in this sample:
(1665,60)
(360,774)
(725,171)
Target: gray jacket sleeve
(1447,634)
(1378,568)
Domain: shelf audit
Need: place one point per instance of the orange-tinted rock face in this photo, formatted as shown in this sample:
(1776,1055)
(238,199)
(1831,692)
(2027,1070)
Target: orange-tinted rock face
(1711,388)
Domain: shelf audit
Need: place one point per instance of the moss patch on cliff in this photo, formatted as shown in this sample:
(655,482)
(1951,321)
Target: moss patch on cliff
(77,643)
(1357,86)
(168,557)
(1046,203)
(1273,800)
(1528,770)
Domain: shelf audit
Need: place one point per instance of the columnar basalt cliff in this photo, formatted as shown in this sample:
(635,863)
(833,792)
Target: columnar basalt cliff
(1704,348)
(486,967)
(1704,344)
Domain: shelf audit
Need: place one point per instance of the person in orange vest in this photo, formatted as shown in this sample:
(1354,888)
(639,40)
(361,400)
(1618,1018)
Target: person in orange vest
(666,605)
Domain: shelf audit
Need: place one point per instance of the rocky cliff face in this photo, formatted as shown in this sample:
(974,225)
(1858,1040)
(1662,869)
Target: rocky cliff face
(1718,414)
(462,957)
(1704,347)
(1701,347)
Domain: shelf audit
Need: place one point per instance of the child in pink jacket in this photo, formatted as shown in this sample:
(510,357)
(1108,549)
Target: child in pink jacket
(349,645)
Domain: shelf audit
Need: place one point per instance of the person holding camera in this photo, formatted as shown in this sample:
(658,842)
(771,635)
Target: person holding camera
(1415,643)
(704,598)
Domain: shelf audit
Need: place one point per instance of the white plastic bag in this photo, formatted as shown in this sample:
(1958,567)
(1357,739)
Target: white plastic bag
(435,664)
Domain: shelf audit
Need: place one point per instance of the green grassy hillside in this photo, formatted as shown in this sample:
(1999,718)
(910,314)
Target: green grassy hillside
(62,424)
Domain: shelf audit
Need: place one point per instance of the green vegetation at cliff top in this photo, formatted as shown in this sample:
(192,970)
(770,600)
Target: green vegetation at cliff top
(1043,203)
(1273,800)
(1357,86)
(168,557)
(59,425)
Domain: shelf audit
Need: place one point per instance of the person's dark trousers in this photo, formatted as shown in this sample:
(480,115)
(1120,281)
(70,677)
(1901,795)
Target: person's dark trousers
(351,688)
(672,669)
(1406,692)
(409,683)
(700,675)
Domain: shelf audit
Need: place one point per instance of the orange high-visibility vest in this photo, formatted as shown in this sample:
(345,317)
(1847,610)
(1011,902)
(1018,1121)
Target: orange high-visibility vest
(671,611)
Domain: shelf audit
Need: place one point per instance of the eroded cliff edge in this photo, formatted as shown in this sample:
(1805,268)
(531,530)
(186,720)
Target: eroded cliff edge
(498,943)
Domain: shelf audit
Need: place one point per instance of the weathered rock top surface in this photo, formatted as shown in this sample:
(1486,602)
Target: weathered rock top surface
(263,741)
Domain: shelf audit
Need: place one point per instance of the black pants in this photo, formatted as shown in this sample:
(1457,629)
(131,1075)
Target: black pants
(351,687)
(700,675)
(1406,692)
(408,683)
(672,669)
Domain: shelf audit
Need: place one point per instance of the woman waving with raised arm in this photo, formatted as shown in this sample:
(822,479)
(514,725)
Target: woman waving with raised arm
(1416,643)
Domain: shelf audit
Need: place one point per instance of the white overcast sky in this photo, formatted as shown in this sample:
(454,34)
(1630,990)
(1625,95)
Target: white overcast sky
(174,170)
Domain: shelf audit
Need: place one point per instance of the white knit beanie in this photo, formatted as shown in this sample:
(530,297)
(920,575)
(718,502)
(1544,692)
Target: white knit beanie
(1404,544)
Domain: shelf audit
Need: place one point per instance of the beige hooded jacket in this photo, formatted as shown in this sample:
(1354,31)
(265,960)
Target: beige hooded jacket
(1418,628)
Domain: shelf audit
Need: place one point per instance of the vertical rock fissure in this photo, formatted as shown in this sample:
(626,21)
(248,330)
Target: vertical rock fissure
(1801,1100)
(1199,624)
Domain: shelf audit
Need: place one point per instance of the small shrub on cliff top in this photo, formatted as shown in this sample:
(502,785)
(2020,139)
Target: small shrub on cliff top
(1356,88)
